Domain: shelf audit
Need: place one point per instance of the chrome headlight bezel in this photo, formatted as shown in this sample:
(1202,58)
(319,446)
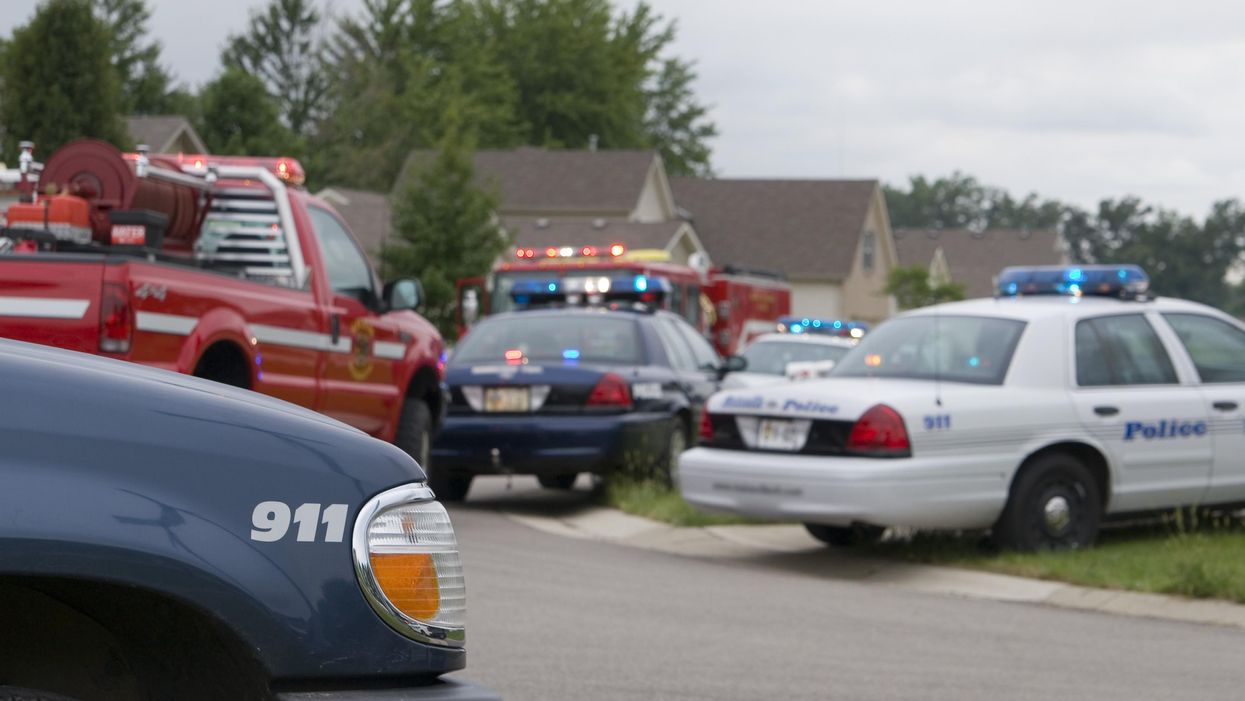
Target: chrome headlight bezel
(419,493)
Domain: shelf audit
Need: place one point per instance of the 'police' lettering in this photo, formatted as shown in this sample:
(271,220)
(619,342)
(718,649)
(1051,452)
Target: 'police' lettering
(1167,428)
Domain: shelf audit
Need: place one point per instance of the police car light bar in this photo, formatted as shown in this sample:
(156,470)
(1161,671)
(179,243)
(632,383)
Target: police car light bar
(1119,281)
(591,289)
(613,251)
(824,327)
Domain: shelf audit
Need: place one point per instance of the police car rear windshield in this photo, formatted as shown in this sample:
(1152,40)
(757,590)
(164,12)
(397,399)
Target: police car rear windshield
(771,357)
(970,349)
(556,338)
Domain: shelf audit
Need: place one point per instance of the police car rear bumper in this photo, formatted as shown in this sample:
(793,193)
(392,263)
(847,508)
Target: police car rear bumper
(548,444)
(940,492)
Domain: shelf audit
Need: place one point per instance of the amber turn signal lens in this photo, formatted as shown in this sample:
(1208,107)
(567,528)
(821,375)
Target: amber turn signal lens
(409,581)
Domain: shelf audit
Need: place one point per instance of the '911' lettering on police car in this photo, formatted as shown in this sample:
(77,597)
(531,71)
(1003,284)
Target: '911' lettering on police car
(1076,397)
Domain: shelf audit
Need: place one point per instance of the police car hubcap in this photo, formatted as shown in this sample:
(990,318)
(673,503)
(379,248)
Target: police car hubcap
(1058,514)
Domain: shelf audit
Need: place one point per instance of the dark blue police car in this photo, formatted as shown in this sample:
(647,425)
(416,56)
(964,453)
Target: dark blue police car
(553,392)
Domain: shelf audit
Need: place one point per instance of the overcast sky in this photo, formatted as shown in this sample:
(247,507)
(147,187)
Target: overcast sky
(1074,100)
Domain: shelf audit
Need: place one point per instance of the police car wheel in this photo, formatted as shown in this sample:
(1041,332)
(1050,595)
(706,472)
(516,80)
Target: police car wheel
(677,443)
(1054,505)
(12,693)
(415,437)
(558,481)
(844,536)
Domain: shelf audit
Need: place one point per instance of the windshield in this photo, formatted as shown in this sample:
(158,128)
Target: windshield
(771,357)
(559,339)
(952,348)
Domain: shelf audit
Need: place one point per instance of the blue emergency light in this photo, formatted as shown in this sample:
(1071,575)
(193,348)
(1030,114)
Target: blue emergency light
(589,289)
(1119,281)
(824,327)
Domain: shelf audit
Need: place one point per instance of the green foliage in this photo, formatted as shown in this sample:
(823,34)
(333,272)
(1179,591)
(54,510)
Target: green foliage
(239,117)
(57,83)
(444,227)
(550,73)
(280,47)
(146,86)
(1184,258)
(677,124)
(911,288)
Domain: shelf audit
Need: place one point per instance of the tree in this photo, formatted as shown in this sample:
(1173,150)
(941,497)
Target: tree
(57,83)
(677,124)
(240,117)
(960,201)
(282,49)
(912,288)
(145,85)
(444,226)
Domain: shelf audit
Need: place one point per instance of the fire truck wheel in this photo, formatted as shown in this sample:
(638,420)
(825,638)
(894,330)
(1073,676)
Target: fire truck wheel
(415,437)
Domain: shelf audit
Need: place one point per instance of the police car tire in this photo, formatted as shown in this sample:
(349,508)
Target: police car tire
(675,445)
(12,693)
(844,536)
(1024,524)
(564,482)
(415,437)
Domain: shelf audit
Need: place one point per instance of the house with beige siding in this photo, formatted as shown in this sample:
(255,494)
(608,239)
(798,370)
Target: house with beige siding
(831,238)
(974,258)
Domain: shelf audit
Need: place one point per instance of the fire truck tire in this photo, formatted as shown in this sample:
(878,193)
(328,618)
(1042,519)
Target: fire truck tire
(12,693)
(415,437)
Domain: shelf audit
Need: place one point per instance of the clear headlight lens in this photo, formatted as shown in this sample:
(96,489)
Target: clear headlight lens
(407,561)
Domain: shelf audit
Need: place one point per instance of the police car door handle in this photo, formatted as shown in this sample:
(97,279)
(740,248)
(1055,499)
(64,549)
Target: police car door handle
(1106,410)
(1225,406)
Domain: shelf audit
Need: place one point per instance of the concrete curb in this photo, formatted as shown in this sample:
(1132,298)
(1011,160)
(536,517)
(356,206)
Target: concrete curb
(788,541)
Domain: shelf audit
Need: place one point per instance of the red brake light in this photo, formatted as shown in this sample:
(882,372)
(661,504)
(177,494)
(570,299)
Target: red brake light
(706,425)
(617,250)
(879,431)
(116,326)
(610,390)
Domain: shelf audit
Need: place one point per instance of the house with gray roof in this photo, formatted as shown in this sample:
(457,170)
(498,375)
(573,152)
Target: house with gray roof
(168,133)
(581,198)
(831,238)
(974,258)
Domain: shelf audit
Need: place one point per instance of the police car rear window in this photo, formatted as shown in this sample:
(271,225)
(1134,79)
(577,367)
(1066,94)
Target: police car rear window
(569,338)
(970,349)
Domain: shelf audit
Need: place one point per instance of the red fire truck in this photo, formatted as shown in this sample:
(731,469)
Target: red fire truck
(729,305)
(221,267)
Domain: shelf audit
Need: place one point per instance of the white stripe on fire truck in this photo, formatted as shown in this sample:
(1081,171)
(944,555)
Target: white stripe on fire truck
(44,308)
(165,323)
(388,350)
(300,339)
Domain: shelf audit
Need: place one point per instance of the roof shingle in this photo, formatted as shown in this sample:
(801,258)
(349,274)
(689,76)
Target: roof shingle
(974,258)
(803,228)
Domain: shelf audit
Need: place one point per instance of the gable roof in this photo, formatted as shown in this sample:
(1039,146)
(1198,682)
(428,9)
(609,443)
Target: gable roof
(537,233)
(974,258)
(536,180)
(161,132)
(803,228)
(368,214)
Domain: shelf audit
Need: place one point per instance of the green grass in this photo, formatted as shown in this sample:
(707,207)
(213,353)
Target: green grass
(1178,555)
(1201,561)
(658,502)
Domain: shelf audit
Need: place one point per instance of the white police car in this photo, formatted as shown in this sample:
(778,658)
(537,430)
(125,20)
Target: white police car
(774,358)
(1068,399)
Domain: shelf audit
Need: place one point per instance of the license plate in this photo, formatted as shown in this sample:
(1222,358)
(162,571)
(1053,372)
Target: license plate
(781,434)
(507,399)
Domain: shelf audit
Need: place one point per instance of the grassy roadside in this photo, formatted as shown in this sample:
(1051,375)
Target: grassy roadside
(1194,559)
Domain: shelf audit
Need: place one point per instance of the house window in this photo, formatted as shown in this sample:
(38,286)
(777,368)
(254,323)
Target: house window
(866,251)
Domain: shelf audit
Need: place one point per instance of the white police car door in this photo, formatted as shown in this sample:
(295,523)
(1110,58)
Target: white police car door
(1217,349)
(1130,398)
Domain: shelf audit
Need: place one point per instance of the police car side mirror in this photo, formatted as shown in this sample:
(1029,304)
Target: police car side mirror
(732,363)
(406,293)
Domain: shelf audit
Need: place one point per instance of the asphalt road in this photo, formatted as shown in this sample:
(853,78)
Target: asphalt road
(563,618)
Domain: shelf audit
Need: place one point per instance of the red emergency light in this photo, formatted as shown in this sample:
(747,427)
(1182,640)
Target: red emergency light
(614,250)
(289,170)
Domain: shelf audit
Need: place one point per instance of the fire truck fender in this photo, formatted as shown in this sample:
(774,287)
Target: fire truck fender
(219,325)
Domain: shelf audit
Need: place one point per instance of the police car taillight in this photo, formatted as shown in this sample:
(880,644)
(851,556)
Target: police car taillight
(407,562)
(116,326)
(610,390)
(706,425)
(880,431)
